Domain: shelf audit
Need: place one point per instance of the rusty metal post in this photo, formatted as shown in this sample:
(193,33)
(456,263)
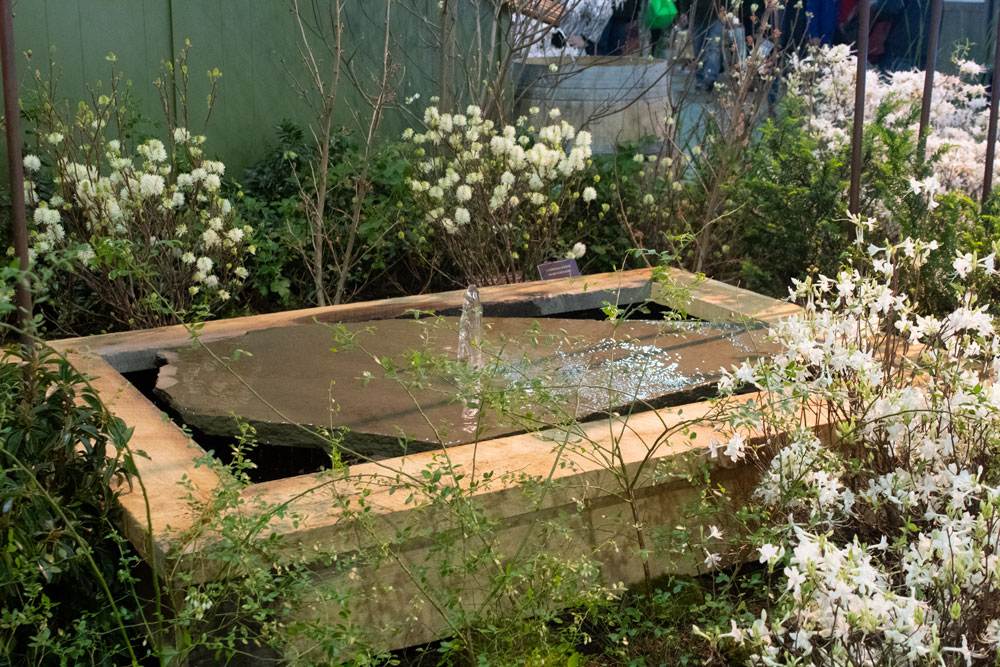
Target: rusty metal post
(930,65)
(15,166)
(991,132)
(858,137)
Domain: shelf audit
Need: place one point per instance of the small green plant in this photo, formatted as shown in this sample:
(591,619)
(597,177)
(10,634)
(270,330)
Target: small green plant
(61,456)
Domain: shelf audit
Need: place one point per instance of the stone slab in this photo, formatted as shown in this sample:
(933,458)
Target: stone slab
(289,381)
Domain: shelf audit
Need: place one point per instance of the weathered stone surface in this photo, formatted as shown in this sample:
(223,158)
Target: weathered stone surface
(288,381)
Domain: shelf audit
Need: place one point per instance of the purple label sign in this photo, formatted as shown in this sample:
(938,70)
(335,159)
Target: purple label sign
(563,268)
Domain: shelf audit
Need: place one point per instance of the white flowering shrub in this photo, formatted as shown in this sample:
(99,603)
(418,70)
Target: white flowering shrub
(824,81)
(141,226)
(880,531)
(495,195)
(797,177)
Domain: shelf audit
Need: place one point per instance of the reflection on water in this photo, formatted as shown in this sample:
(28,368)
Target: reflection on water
(382,382)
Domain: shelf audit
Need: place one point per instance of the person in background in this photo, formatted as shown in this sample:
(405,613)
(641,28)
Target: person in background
(904,44)
(621,28)
(812,22)
(658,42)
(896,40)
(658,17)
(821,20)
(702,17)
(585,24)
(578,30)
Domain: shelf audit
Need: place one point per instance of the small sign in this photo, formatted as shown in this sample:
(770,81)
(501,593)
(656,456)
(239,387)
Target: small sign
(562,268)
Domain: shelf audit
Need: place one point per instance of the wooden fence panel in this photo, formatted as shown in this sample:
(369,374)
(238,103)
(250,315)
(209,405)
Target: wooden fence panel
(79,34)
(253,42)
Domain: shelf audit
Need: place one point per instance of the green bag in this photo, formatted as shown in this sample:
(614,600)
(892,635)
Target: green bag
(660,14)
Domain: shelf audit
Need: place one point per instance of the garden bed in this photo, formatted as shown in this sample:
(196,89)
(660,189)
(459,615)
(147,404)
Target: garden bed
(359,508)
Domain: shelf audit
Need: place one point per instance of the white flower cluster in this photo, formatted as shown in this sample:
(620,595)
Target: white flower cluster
(888,535)
(139,200)
(824,80)
(499,187)
(511,167)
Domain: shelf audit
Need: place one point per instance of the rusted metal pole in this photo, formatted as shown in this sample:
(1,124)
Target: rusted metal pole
(15,167)
(930,65)
(858,137)
(991,132)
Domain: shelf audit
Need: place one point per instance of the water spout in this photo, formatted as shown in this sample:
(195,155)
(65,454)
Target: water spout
(470,329)
(470,334)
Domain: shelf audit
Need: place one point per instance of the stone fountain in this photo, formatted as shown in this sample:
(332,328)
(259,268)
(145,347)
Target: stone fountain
(306,373)
(403,385)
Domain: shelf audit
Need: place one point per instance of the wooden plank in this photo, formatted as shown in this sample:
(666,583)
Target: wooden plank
(167,463)
(711,300)
(717,301)
(533,455)
(395,612)
(75,34)
(134,350)
(550,12)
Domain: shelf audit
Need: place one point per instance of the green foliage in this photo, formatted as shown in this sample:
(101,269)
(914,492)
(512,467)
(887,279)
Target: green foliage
(787,213)
(789,210)
(256,584)
(68,581)
(72,590)
(958,225)
(661,626)
(598,224)
(126,230)
(61,453)
(391,244)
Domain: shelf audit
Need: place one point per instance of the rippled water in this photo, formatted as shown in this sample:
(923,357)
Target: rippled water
(617,372)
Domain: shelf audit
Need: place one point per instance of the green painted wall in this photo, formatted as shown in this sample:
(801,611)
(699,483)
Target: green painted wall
(253,42)
(78,34)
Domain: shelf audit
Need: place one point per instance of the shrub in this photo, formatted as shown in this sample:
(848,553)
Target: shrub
(496,196)
(824,82)
(391,251)
(136,232)
(60,455)
(880,538)
(791,212)
(796,179)
(72,591)
(635,206)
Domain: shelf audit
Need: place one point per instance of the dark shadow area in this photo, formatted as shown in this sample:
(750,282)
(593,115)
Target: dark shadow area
(272,462)
(669,597)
